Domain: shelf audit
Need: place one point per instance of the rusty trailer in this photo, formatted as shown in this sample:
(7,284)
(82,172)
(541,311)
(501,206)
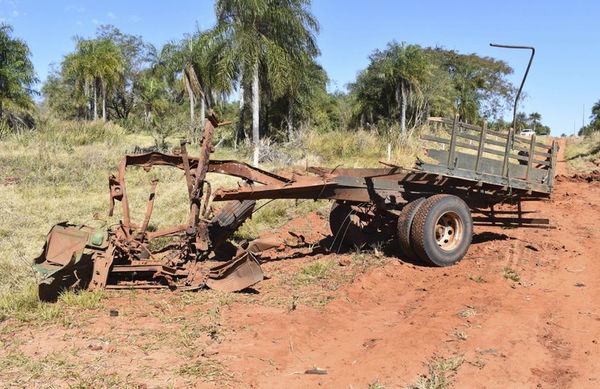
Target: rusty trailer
(470,175)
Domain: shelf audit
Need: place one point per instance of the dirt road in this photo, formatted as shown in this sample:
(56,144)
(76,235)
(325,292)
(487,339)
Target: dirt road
(520,310)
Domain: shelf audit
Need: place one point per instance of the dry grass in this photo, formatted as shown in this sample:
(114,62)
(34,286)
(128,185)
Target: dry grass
(511,274)
(439,373)
(583,153)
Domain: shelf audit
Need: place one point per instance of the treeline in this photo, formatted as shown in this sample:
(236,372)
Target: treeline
(257,66)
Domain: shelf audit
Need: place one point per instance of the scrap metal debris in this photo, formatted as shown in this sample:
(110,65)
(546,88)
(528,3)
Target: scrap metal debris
(133,255)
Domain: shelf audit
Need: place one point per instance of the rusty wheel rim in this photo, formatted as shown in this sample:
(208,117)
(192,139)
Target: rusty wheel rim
(449,231)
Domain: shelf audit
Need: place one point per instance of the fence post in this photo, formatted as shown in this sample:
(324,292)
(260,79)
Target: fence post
(451,149)
(507,152)
(481,146)
(530,159)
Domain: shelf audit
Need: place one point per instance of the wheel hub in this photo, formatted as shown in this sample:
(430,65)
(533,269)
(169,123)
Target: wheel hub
(448,231)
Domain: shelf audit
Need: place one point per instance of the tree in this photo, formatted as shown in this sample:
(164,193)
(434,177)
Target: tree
(109,68)
(522,121)
(405,67)
(96,64)
(17,76)
(594,124)
(263,39)
(535,119)
(198,58)
(136,55)
(402,83)
(480,83)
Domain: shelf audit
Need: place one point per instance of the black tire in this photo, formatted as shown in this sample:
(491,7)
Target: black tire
(346,227)
(228,219)
(405,220)
(442,230)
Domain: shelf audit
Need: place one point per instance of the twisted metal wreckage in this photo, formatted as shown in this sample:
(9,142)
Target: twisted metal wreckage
(429,209)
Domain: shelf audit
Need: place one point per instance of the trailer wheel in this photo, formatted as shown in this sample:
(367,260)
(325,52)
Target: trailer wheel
(346,225)
(405,221)
(442,230)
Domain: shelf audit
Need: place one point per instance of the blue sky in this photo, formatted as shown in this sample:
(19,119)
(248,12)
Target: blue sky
(564,76)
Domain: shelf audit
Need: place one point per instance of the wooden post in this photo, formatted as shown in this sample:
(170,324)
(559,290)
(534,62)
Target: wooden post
(552,167)
(481,146)
(507,152)
(452,148)
(530,158)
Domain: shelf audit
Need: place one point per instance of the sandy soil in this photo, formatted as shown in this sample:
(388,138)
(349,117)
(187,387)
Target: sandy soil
(381,326)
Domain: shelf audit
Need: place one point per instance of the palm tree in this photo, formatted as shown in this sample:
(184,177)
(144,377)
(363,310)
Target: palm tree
(595,117)
(535,118)
(305,83)
(204,84)
(109,68)
(263,39)
(521,120)
(16,71)
(77,67)
(96,64)
(406,67)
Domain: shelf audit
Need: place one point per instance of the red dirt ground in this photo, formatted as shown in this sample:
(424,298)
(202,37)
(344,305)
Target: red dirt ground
(383,326)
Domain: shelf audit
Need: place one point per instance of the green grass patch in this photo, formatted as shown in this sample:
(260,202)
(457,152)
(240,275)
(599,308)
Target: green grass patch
(315,271)
(23,304)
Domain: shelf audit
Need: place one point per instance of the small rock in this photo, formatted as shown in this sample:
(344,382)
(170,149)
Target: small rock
(344,262)
(114,313)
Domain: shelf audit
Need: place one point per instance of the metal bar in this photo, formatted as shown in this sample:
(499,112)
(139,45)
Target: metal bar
(201,169)
(186,168)
(514,122)
(511,220)
(480,146)
(124,200)
(149,207)
(137,286)
(510,225)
